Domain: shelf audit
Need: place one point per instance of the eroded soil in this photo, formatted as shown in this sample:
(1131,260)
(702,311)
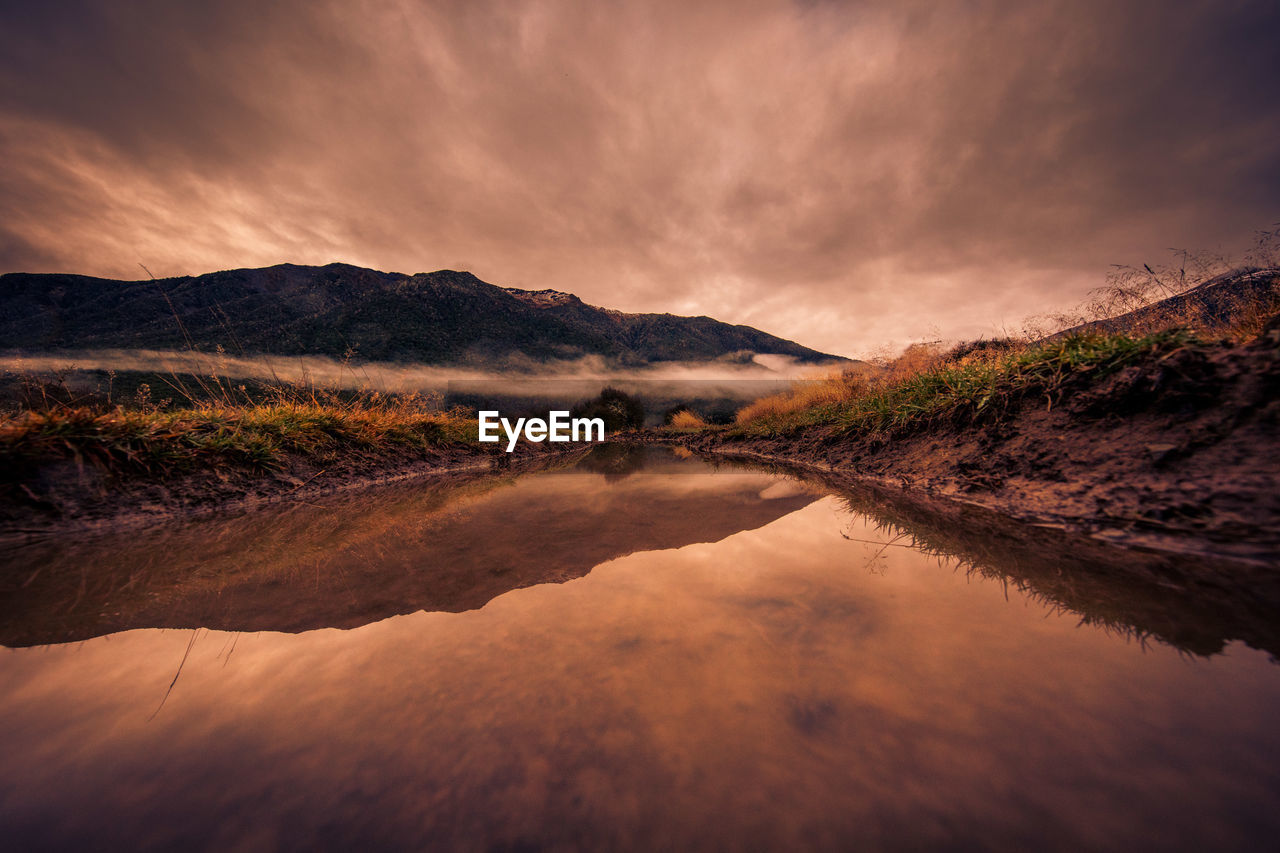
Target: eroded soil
(1182,454)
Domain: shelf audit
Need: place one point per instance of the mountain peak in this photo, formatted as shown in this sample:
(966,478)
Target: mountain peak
(544,298)
(442,317)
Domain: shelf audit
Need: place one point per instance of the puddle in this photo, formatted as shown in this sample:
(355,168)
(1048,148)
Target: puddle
(640,652)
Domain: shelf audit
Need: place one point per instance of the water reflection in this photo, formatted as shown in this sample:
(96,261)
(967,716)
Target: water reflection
(1196,604)
(795,684)
(447,544)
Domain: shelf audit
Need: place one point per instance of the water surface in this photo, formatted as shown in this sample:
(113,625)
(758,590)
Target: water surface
(654,654)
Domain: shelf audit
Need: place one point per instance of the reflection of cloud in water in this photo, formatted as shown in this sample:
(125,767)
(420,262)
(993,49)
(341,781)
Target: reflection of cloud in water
(762,691)
(786,489)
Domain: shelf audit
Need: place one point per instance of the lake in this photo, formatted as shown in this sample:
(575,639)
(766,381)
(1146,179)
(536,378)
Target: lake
(628,650)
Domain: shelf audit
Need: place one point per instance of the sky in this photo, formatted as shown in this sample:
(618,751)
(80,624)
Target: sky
(849,175)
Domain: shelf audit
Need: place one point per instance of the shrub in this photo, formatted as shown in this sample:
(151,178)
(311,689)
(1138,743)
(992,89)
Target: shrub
(618,409)
(685,419)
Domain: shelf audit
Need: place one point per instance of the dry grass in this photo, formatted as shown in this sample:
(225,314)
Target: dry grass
(1151,298)
(1142,312)
(980,385)
(258,435)
(687,420)
(216,421)
(829,392)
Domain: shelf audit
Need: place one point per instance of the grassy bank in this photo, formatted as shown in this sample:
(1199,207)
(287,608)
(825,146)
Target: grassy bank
(969,385)
(1140,319)
(1161,439)
(259,436)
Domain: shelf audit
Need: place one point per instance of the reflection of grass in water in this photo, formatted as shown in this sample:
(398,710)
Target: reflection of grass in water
(1122,593)
(1191,604)
(943,549)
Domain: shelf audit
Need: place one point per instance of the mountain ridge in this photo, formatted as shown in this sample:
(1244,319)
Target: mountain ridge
(446,317)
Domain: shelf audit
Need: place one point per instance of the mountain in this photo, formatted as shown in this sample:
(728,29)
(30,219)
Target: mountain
(443,317)
(1220,302)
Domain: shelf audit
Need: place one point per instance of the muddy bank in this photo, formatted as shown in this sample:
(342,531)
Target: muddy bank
(1179,454)
(69,497)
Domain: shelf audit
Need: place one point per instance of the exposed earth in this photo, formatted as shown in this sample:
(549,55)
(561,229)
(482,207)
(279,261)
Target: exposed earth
(1180,454)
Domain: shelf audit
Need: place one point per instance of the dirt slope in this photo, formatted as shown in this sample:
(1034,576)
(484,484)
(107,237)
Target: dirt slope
(1181,453)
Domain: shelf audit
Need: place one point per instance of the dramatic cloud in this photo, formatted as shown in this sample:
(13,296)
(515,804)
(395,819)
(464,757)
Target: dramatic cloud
(842,174)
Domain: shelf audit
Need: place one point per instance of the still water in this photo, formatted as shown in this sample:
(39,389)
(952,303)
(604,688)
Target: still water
(636,652)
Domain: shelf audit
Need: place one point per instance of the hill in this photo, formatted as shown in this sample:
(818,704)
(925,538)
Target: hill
(444,317)
(1243,296)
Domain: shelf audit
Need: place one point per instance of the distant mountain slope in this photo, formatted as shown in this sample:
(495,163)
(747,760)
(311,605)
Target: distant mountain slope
(1219,302)
(443,317)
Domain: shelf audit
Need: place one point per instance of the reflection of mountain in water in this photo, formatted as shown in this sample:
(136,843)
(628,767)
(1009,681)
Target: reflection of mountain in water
(454,544)
(448,546)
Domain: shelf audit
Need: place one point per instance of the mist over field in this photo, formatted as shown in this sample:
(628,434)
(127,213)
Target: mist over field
(736,378)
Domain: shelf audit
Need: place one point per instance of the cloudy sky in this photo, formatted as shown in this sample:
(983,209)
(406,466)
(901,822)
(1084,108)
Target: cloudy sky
(843,174)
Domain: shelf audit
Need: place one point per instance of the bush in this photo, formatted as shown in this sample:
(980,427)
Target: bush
(618,409)
(685,419)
